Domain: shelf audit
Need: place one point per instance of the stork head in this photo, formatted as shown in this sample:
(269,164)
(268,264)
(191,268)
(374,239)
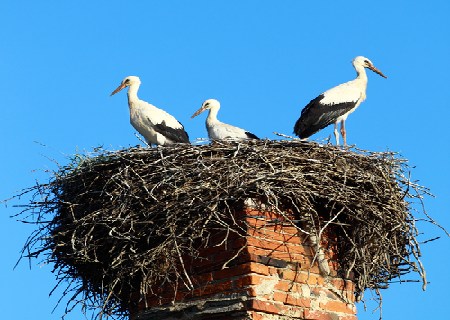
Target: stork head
(207,105)
(128,81)
(364,62)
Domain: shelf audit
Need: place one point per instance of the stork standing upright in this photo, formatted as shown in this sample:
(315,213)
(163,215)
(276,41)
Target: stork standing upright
(155,125)
(218,130)
(334,105)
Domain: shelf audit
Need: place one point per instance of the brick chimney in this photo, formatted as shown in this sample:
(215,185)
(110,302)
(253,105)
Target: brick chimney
(267,273)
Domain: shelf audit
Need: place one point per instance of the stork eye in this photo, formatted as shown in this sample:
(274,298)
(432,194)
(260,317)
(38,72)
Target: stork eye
(127,80)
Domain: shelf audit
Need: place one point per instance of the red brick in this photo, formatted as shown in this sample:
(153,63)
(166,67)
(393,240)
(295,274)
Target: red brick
(302,277)
(338,283)
(255,222)
(337,306)
(245,268)
(259,268)
(228,273)
(258,251)
(275,245)
(219,257)
(280,296)
(342,284)
(290,275)
(284,285)
(203,264)
(268,215)
(249,257)
(266,306)
(202,278)
(248,280)
(265,243)
(319,315)
(349,285)
(280,235)
(288,298)
(349,295)
(257,315)
(288,286)
(273,271)
(301,302)
(286,256)
(231,243)
(213,288)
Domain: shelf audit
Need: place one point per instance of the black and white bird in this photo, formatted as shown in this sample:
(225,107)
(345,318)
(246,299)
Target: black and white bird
(155,125)
(334,105)
(218,130)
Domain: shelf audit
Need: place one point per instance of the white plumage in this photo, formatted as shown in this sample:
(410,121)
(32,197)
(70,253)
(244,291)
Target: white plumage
(334,105)
(218,130)
(155,125)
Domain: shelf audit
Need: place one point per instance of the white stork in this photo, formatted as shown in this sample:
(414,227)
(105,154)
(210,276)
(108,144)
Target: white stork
(218,130)
(334,105)
(155,125)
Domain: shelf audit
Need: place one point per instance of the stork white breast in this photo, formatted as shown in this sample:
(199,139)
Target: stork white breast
(157,116)
(346,92)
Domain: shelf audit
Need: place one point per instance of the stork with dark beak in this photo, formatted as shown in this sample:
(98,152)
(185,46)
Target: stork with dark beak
(218,130)
(335,105)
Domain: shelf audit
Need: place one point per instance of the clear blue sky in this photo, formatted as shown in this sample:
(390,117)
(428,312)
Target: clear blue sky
(264,60)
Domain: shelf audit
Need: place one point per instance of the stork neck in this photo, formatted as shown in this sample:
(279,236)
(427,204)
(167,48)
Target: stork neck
(361,73)
(132,93)
(212,116)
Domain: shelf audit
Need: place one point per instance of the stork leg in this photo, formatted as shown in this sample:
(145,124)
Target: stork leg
(336,133)
(343,133)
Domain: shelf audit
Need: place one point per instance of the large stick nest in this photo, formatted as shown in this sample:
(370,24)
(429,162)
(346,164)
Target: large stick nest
(116,223)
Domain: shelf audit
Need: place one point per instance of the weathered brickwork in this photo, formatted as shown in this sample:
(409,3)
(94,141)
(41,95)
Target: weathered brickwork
(272,277)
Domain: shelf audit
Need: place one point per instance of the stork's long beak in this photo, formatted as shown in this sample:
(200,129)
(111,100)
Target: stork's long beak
(118,89)
(203,108)
(371,67)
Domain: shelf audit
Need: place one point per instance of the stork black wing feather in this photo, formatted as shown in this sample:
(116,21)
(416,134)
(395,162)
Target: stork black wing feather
(251,135)
(174,134)
(316,116)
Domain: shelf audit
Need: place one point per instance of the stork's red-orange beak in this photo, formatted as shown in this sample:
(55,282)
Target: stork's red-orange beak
(118,89)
